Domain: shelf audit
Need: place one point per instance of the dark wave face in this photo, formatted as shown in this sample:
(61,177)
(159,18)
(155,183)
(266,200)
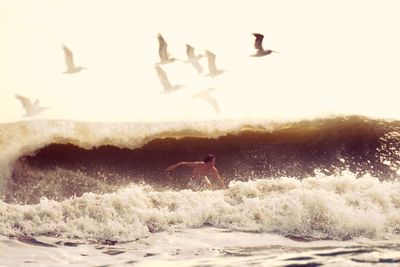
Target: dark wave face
(304,149)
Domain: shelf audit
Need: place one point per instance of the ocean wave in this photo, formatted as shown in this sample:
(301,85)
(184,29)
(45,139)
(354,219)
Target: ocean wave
(60,159)
(332,207)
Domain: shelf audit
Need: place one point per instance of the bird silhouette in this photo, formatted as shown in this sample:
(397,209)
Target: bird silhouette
(258,45)
(162,51)
(32,109)
(168,87)
(193,59)
(69,61)
(206,96)
(213,71)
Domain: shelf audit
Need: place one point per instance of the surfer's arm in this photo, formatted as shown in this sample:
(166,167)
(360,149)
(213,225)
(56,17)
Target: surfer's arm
(182,163)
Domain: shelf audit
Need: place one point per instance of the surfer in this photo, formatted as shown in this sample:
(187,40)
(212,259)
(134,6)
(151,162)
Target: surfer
(202,169)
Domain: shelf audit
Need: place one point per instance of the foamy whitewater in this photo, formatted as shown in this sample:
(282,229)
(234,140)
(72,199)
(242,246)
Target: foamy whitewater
(305,193)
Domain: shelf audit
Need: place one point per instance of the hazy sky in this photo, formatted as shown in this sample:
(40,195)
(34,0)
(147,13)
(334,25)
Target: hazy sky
(335,57)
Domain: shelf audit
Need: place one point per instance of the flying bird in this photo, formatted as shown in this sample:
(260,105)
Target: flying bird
(258,45)
(32,109)
(206,96)
(213,71)
(162,51)
(69,61)
(193,59)
(165,82)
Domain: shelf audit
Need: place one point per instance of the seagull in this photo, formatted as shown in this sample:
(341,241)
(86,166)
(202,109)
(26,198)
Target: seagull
(192,59)
(31,109)
(165,82)
(258,45)
(206,96)
(213,71)
(69,60)
(162,51)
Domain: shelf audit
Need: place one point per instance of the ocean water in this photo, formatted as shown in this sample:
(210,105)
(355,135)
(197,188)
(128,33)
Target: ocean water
(302,193)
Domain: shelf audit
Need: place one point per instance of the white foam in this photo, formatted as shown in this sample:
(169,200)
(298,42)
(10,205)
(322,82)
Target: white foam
(325,207)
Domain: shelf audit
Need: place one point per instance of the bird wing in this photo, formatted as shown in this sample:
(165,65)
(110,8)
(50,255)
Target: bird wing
(163,78)
(205,95)
(258,41)
(212,101)
(190,52)
(26,102)
(211,62)
(197,66)
(69,58)
(162,50)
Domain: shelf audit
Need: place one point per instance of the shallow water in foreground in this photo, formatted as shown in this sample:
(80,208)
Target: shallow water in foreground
(207,246)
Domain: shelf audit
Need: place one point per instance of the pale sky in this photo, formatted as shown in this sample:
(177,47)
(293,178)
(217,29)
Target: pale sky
(335,57)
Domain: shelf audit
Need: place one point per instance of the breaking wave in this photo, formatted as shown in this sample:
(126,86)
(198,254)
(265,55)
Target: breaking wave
(339,208)
(59,159)
(334,178)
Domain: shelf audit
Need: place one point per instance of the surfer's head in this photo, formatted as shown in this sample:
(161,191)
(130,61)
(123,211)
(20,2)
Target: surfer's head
(209,158)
